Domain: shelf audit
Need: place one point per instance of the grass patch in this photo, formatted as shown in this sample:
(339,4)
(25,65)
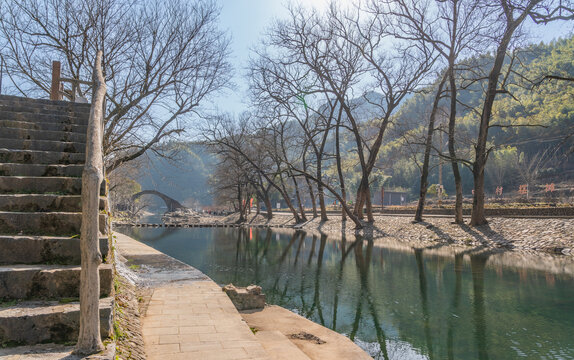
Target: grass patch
(118,332)
(8,303)
(11,343)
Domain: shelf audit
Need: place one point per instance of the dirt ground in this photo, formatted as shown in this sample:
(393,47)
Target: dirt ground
(547,235)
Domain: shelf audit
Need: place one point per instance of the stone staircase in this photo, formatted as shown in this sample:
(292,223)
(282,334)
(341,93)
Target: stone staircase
(42,152)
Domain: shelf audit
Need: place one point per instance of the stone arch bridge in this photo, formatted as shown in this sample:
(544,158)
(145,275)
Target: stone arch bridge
(171,204)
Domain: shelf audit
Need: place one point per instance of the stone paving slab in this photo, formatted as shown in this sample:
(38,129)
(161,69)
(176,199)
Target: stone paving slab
(277,319)
(189,316)
(279,346)
(197,321)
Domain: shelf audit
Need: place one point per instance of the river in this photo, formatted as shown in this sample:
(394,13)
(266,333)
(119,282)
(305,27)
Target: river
(396,303)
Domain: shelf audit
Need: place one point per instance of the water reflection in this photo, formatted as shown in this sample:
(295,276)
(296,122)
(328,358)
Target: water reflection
(395,303)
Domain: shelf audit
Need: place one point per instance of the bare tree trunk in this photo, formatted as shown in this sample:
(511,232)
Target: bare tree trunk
(285,195)
(451,150)
(300,203)
(478,217)
(268,205)
(322,207)
(320,189)
(428,146)
(360,200)
(346,208)
(240,202)
(339,166)
(312,196)
(310,187)
(369,205)
(89,338)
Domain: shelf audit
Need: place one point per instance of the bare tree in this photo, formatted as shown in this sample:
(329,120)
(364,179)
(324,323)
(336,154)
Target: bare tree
(454,28)
(284,86)
(398,66)
(232,183)
(161,60)
(512,15)
(242,138)
(288,79)
(427,153)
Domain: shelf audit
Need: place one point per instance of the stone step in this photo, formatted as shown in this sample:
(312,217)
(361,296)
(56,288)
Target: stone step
(44,249)
(61,106)
(40,118)
(44,202)
(46,126)
(39,106)
(43,145)
(34,322)
(19,107)
(41,185)
(47,281)
(32,108)
(27,134)
(13,169)
(44,223)
(278,346)
(40,157)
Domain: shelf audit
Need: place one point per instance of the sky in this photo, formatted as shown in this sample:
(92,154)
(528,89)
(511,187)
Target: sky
(247,20)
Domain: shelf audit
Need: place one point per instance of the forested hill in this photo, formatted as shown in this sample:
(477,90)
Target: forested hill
(183,177)
(533,140)
(533,132)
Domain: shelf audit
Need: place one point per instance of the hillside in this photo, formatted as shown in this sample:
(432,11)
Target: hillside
(532,138)
(183,177)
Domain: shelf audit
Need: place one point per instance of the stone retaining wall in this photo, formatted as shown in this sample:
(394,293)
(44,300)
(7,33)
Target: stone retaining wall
(534,211)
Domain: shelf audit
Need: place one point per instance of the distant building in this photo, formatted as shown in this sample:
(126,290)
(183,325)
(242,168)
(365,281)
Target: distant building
(391,198)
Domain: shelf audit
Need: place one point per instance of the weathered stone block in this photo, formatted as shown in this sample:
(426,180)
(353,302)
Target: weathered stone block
(245,298)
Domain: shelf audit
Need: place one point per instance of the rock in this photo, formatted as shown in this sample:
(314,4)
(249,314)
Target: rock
(245,298)
(309,337)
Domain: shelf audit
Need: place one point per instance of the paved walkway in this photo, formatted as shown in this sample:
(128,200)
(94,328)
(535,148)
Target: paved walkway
(189,316)
(197,321)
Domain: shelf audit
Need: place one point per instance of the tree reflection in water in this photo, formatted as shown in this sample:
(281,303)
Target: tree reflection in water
(398,303)
(477,265)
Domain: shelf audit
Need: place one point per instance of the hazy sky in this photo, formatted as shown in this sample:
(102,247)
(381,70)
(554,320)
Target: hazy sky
(247,20)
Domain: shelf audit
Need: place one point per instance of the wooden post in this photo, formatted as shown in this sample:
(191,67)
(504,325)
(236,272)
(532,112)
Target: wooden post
(55,89)
(89,339)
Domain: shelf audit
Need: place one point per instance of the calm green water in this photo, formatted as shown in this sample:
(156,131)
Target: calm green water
(395,304)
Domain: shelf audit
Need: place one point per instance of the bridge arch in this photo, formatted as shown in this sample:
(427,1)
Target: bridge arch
(170,203)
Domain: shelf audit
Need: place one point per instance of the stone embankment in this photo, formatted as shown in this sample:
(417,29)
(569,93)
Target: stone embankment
(185,315)
(547,235)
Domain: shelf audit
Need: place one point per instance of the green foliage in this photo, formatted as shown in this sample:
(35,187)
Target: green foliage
(8,303)
(536,114)
(433,190)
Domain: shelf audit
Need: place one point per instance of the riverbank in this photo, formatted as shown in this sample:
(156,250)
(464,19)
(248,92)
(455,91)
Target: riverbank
(181,313)
(542,235)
